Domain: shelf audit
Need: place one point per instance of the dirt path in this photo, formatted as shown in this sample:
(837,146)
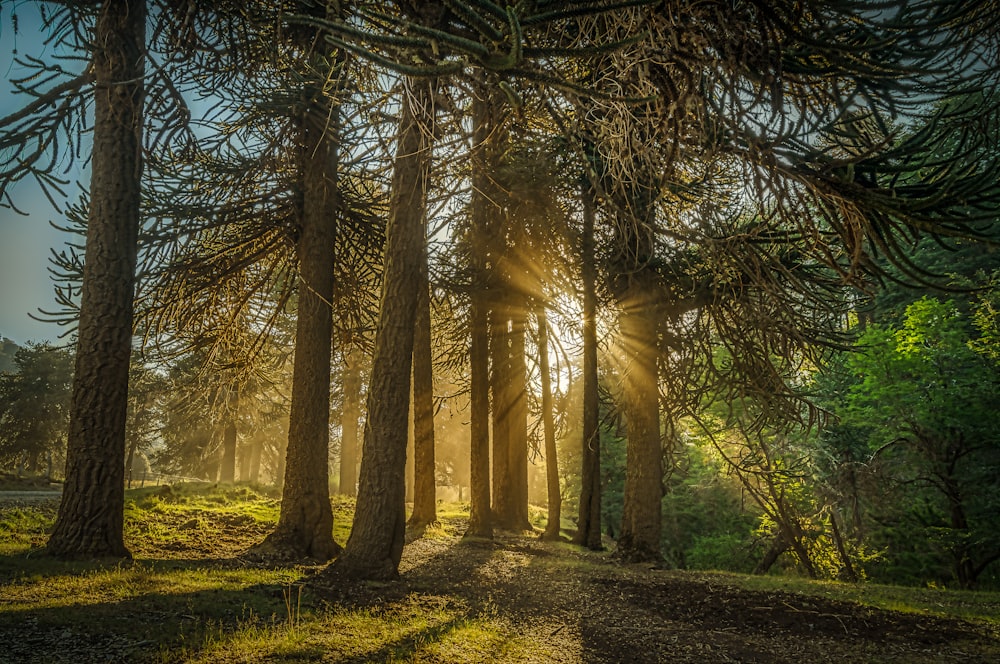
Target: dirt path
(28,497)
(591,609)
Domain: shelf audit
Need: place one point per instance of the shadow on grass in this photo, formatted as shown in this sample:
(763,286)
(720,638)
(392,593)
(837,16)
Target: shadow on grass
(51,609)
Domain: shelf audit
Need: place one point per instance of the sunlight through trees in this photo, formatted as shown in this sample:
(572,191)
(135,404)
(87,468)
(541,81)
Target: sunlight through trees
(628,260)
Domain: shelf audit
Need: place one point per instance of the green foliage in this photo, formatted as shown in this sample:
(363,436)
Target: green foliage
(34,407)
(932,406)
(706,523)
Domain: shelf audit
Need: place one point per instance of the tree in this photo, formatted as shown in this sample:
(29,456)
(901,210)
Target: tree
(305,525)
(553,490)
(34,406)
(425,474)
(375,545)
(90,514)
(930,402)
(588,531)
(350,415)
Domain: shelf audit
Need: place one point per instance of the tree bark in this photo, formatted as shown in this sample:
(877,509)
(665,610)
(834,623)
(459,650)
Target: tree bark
(350,415)
(424,497)
(554,515)
(480,515)
(641,511)
(501,406)
(91,514)
(305,524)
(588,531)
(518,423)
(480,518)
(375,546)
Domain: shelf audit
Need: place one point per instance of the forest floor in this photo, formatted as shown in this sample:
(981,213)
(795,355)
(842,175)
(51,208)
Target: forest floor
(190,595)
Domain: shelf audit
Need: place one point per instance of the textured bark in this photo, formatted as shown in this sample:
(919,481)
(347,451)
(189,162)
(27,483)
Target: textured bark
(90,519)
(480,516)
(424,497)
(641,512)
(588,531)
(375,546)
(305,524)
(350,414)
(552,527)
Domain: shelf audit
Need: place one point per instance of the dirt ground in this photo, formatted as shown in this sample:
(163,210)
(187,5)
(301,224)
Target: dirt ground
(601,611)
(588,608)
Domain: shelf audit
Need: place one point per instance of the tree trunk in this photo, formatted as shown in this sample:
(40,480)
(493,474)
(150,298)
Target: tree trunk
(375,546)
(518,423)
(641,512)
(305,524)
(588,531)
(230,438)
(778,547)
(848,573)
(349,423)
(424,498)
(408,471)
(480,519)
(256,451)
(91,514)
(554,516)
(129,461)
(501,406)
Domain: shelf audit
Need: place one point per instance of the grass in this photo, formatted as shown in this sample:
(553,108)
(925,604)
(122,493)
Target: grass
(978,606)
(185,609)
(187,598)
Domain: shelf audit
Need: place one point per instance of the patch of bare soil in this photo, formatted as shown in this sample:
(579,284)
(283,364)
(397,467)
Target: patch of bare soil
(593,609)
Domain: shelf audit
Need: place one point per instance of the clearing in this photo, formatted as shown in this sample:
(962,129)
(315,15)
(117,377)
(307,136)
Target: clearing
(189,596)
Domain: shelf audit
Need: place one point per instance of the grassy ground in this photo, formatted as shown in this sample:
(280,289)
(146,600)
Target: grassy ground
(188,596)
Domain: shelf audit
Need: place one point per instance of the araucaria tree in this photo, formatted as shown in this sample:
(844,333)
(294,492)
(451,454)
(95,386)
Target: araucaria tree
(90,517)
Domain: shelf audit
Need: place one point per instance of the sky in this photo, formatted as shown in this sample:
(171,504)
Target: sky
(25,241)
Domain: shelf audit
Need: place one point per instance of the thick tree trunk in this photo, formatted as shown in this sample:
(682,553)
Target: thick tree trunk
(424,497)
(484,214)
(375,546)
(91,514)
(588,531)
(305,524)
(408,471)
(641,512)
(350,414)
(552,527)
